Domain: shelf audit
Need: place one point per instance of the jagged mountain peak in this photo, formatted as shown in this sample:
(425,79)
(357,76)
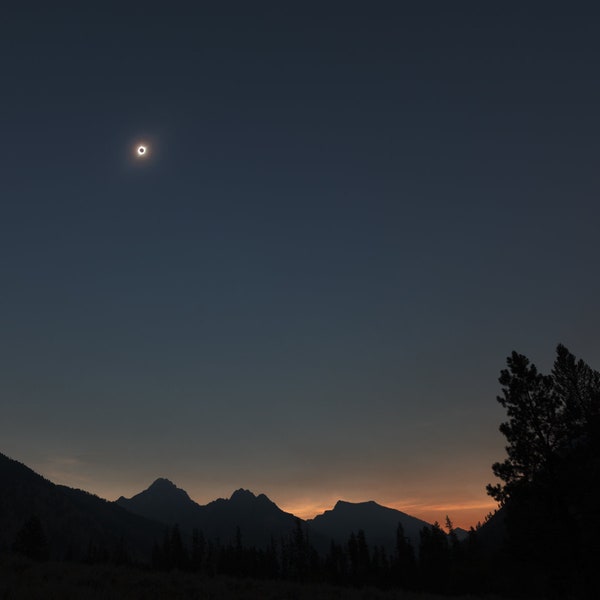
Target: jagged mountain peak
(162,483)
(162,501)
(243,498)
(165,488)
(242,494)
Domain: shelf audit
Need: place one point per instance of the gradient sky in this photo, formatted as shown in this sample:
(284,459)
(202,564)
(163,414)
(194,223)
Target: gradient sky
(351,214)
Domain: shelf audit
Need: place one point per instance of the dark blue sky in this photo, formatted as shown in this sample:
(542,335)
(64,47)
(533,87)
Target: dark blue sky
(350,215)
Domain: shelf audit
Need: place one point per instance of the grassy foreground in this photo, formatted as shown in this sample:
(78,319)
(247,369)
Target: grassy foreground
(21,579)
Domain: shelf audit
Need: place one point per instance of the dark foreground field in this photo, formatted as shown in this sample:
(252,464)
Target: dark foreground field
(21,579)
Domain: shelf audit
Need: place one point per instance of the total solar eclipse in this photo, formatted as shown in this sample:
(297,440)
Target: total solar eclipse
(141,150)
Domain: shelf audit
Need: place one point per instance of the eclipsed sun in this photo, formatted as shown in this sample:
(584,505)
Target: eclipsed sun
(141,150)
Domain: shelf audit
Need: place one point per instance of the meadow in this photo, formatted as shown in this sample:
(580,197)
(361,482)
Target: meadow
(22,579)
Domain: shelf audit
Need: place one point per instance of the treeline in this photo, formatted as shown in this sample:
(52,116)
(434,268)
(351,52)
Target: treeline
(440,563)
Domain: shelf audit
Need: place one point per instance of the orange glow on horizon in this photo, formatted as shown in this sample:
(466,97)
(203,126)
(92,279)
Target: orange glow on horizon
(465,508)
(462,514)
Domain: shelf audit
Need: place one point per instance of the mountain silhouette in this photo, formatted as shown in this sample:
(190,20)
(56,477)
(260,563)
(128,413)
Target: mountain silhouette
(73,521)
(163,501)
(258,519)
(379,523)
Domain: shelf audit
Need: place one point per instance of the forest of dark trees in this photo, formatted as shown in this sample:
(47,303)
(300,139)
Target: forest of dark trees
(543,542)
(440,563)
(441,566)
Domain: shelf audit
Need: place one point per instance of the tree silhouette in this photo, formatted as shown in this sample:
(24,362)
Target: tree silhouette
(336,564)
(120,554)
(433,558)
(198,550)
(552,464)
(453,538)
(299,551)
(532,427)
(178,553)
(31,540)
(405,563)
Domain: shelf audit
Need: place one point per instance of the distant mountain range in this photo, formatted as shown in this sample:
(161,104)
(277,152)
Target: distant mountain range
(259,520)
(76,521)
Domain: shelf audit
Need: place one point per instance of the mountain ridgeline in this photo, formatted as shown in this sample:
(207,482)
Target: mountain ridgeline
(259,520)
(256,518)
(75,522)
(244,535)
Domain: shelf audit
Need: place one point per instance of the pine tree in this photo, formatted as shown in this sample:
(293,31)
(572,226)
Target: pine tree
(553,461)
(31,540)
(198,551)
(433,558)
(179,556)
(405,563)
